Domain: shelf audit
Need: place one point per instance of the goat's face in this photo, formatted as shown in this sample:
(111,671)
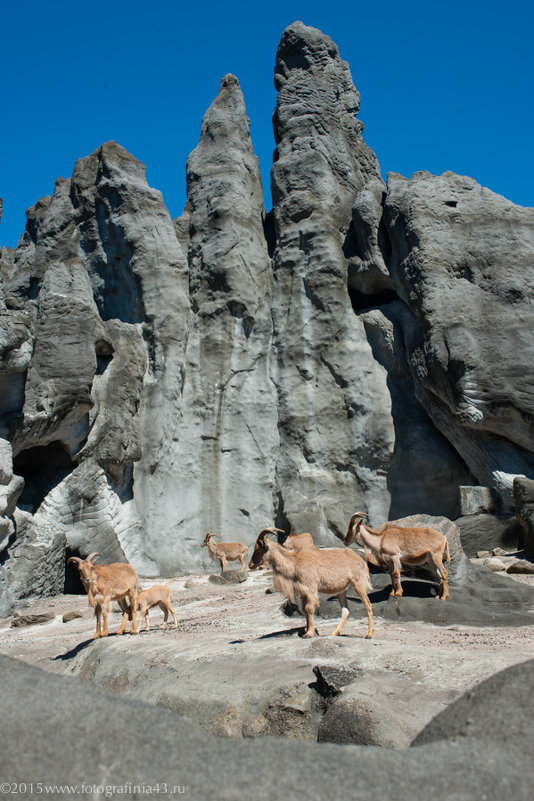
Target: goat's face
(261,548)
(354,534)
(85,567)
(207,540)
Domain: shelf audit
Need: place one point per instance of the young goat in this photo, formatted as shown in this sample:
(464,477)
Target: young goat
(107,583)
(158,595)
(309,572)
(225,552)
(394,546)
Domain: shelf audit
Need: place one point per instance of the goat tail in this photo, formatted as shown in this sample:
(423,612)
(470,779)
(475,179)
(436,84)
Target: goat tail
(447,551)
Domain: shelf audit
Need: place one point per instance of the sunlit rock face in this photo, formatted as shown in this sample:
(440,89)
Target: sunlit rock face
(462,259)
(362,346)
(334,406)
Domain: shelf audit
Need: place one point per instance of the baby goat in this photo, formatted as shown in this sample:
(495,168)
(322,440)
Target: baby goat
(394,546)
(158,595)
(107,583)
(309,572)
(225,552)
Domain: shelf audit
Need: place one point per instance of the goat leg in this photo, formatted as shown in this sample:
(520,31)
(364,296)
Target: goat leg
(342,598)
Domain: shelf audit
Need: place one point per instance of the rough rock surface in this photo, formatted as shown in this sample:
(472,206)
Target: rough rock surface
(336,433)
(484,532)
(144,745)
(356,347)
(524,506)
(461,260)
(484,712)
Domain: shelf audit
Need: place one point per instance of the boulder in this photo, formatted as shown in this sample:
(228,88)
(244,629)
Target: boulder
(380,709)
(132,748)
(20,620)
(484,532)
(493,711)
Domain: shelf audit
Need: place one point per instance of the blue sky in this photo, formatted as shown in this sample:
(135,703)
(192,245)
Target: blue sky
(443,86)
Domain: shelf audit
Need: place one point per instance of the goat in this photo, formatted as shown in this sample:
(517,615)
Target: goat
(394,546)
(107,583)
(225,552)
(295,541)
(158,595)
(309,572)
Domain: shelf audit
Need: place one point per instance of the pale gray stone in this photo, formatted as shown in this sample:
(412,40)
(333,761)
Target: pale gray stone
(336,430)
(477,500)
(485,758)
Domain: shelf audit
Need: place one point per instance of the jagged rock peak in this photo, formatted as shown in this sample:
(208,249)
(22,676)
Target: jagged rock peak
(110,160)
(303,49)
(225,123)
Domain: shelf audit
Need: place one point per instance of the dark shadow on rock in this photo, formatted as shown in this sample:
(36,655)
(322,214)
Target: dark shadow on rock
(283,633)
(73,652)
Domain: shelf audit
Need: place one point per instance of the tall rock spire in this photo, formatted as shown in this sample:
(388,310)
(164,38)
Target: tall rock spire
(226,452)
(335,421)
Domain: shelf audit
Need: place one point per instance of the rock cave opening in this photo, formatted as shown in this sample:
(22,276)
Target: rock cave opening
(363,302)
(72,584)
(104,355)
(42,468)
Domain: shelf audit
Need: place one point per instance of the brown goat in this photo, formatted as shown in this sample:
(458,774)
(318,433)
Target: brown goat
(107,583)
(158,595)
(225,552)
(394,546)
(295,541)
(309,572)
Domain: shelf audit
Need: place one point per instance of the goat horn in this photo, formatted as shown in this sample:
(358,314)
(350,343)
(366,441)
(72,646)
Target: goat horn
(271,530)
(360,514)
(75,559)
(92,556)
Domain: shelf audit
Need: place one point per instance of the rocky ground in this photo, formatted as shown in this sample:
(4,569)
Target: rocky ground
(238,667)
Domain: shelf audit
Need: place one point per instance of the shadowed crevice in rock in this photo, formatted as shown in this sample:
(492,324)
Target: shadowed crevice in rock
(42,469)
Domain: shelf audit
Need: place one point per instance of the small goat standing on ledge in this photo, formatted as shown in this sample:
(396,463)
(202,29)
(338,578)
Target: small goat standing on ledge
(311,571)
(394,546)
(158,595)
(225,552)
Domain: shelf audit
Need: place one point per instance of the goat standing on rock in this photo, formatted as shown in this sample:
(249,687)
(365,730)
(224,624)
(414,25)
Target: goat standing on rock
(311,571)
(225,552)
(158,595)
(394,546)
(107,583)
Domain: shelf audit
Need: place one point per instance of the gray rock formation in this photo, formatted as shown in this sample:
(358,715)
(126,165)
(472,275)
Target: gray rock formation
(485,532)
(524,508)
(487,755)
(462,260)
(336,433)
(360,346)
